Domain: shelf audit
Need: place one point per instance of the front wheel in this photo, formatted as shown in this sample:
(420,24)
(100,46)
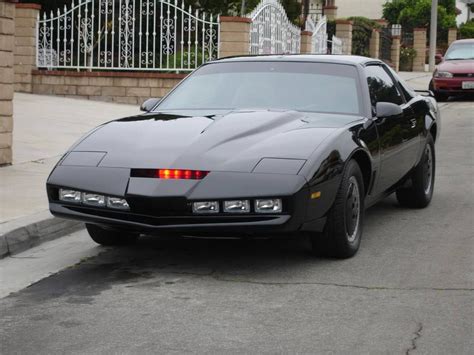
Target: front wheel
(343,230)
(420,193)
(110,237)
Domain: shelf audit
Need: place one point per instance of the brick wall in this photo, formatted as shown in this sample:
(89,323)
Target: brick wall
(25,45)
(128,88)
(7,30)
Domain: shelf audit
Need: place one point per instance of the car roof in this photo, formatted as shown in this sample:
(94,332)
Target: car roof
(324,58)
(467,40)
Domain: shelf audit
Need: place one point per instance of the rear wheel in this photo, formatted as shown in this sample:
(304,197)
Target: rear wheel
(110,237)
(419,194)
(343,230)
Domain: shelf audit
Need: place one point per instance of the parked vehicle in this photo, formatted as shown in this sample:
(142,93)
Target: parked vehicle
(454,75)
(256,146)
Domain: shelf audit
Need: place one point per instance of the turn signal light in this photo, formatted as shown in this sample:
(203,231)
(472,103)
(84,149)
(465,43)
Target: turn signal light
(170,174)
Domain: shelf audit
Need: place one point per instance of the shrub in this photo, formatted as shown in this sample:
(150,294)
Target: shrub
(407,54)
(467,29)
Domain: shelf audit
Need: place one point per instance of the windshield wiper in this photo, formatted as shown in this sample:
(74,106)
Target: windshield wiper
(459,58)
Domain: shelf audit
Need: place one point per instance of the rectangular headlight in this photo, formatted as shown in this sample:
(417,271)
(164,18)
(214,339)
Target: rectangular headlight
(93,199)
(69,195)
(206,207)
(268,205)
(117,203)
(237,206)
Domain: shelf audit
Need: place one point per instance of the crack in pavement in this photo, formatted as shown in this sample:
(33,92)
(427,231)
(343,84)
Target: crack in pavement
(213,275)
(417,335)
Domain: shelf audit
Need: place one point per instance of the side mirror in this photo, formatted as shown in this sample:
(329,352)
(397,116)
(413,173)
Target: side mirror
(387,109)
(148,105)
(438,59)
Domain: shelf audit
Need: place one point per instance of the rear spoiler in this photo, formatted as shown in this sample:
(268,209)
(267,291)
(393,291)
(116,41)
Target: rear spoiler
(425,92)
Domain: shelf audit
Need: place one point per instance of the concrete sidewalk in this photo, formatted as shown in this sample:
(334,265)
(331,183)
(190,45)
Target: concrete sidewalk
(45,127)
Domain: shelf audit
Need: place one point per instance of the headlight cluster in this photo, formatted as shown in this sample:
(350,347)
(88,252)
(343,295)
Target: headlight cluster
(268,205)
(91,199)
(443,74)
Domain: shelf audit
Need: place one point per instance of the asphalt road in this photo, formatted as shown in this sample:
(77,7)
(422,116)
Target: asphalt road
(409,289)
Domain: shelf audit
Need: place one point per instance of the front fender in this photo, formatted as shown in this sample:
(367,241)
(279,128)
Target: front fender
(325,167)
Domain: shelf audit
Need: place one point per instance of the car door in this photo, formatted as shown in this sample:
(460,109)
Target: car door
(396,141)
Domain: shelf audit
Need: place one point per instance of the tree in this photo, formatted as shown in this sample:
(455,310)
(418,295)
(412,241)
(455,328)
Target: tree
(416,13)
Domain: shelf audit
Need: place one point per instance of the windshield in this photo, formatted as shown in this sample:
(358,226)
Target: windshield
(311,87)
(460,51)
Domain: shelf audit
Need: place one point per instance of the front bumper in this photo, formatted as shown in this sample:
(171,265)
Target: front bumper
(165,206)
(148,216)
(452,85)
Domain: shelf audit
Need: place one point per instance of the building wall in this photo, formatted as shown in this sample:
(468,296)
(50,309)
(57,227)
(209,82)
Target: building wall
(367,8)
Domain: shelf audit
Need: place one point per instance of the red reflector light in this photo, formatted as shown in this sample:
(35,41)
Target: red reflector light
(181,174)
(170,174)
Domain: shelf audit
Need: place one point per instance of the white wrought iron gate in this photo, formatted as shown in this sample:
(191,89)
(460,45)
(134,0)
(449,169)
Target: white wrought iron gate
(271,31)
(319,40)
(159,35)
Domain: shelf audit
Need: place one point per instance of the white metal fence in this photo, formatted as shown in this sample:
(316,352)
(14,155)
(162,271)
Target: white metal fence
(160,35)
(319,39)
(271,31)
(337,45)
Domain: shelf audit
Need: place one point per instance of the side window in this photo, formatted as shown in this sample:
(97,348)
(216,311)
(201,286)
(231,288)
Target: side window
(381,86)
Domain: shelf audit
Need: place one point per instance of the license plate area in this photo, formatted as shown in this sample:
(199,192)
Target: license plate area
(466,85)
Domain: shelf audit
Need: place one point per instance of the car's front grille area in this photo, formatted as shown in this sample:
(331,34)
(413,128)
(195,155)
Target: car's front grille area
(463,75)
(168,220)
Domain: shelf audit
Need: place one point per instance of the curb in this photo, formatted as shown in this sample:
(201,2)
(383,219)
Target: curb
(24,233)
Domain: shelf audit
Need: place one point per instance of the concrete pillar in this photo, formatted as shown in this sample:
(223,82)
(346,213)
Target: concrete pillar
(419,44)
(395,53)
(234,36)
(25,45)
(452,35)
(344,32)
(330,11)
(306,42)
(374,46)
(7,44)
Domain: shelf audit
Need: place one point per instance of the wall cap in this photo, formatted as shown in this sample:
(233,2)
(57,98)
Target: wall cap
(330,7)
(306,33)
(343,22)
(108,74)
(396,37)
(235,19)
(420,29)
(28,6)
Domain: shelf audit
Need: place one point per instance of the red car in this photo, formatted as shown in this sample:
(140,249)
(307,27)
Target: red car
(455,74)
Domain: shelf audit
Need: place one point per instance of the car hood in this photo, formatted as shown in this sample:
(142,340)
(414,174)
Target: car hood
(232,141)
(457,66)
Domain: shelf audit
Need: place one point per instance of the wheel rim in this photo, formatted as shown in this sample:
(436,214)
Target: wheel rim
(352,210)
(428,169)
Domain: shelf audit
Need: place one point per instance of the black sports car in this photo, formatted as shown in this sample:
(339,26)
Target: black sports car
(256,146)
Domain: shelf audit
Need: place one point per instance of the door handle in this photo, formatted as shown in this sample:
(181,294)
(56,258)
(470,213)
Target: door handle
(413,122)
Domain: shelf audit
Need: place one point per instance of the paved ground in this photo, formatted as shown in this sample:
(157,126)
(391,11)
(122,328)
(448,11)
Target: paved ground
(409,290)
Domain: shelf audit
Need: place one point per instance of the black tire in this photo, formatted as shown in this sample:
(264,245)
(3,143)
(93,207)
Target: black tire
(422,178)
(343,231)
(441,97)
(110,237)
